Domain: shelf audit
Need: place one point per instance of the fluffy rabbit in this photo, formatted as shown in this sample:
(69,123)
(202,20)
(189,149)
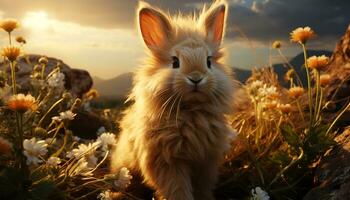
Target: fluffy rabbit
(175,133)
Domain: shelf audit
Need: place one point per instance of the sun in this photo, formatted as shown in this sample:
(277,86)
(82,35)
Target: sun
(36,20)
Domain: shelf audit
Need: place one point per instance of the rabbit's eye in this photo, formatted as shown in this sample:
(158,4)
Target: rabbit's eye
(176,62)
(209,62)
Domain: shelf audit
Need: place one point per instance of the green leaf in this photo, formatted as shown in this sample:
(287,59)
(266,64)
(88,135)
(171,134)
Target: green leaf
(281,158)
(317,142)
(290,136)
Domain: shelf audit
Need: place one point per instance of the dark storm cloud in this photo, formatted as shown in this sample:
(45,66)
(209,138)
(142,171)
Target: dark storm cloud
(276,18)
(261,20)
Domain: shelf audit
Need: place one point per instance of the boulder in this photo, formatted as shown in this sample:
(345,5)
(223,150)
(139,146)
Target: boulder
(333,172)
(77,81)
(337,92)
(339,69)
(332,176)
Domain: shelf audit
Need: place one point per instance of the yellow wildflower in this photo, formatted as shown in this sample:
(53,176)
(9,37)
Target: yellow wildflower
(285,108)
(325,79)
(302,35)
(11,53)
(271,105)
(9,25)
(296,92)
(317,62)
(22,103)
(289,75)
(276,44)
(21,40)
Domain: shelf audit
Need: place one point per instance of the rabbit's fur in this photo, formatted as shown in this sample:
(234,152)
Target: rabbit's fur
(175,133)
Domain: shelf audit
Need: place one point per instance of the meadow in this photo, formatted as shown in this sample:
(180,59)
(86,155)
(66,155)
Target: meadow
(283,132)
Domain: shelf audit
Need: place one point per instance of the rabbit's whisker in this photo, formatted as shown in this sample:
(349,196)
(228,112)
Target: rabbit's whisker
(172,105)
(165,105)
(178,110)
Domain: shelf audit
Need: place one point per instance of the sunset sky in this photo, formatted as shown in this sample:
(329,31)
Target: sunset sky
(101,35)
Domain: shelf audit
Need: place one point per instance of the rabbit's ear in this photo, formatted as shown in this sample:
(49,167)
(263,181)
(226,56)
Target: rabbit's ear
(155,27)
(214,22)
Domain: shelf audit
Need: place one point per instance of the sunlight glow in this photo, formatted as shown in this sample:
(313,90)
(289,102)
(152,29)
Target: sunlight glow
(37,20)
(103,52)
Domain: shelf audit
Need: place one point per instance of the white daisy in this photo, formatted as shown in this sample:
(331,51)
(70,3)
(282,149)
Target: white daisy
(56,80)
(33,149)
(56,119)
(86,151)
(53,161)
(107,141)
(67,115)
(124,178)
(259,194)
(105,195)
(81,168)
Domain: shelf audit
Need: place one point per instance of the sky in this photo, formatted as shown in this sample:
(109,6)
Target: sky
(101,36)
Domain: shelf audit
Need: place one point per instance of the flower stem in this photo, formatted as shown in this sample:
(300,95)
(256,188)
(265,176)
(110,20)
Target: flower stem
(288,166)
(10,38)
(309,89)
(56,132)
(301,112)
(320,104)
(13,78)
(318,100)
(19,119)
(88,194)
(337,118)
(50,109)
(85,184)
(291,67)
(43,71)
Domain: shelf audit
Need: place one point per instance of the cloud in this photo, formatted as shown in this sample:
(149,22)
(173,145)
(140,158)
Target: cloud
(100,35)
(103,52)
(97,13)
(274,19)
(261,20)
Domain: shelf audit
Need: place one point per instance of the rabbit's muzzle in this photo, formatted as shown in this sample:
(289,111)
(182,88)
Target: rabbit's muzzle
(195,79)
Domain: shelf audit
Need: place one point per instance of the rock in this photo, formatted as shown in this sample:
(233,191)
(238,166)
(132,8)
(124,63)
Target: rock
(333,173)
(332,176)
(86,124)
(77,81)
(341,55)
(337,91)
(339,69)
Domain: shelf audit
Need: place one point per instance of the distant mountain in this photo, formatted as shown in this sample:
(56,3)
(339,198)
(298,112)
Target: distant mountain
(119,86)
(242,74)
(116,87)
(297,62)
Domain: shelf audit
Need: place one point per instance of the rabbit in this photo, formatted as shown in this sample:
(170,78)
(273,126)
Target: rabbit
(175,133)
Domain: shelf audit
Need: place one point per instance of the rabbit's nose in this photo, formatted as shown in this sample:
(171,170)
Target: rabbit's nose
(195,81)
(195,78)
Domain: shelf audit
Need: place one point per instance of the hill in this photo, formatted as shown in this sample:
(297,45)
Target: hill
(119,86)
(116,87)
